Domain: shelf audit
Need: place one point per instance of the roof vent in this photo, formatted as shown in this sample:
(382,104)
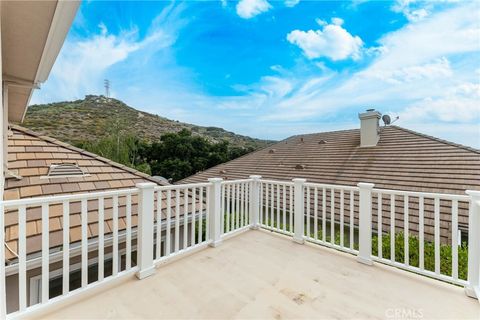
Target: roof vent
(322,142)
(223,171)
(272,150)
(301,140)
(65,170)
(300,166)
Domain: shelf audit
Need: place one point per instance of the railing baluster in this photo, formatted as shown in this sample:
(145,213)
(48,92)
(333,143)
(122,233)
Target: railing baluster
(278,207)
(291,209)
(222,209)
(208,213)
(324,215)
(168,246)
(101,238)
(177,220)
(261,204)
(307,230)
(242,202)
(115,237)
(200,214)
(22,258)
(233,210)
(185,218)
(455,240)
(284,217)
(379,225)
(194,211)
(392,227)
(437,234)
(45,252)
(237,206)
(406,243)
(84,242)
(247,203)
(273,206)
(421,250)
(342,196)
(128,217)
(229,212)
(158,248)
(315,214)
(66,247)
(352,219)
(267,208)
(332,216)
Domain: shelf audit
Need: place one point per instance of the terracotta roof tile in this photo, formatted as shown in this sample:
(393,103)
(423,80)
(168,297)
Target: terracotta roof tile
(49,189)
(30,191)
(86,186)
(70,187)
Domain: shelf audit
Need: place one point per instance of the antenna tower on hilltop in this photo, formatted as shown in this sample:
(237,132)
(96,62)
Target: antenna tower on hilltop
(106,83)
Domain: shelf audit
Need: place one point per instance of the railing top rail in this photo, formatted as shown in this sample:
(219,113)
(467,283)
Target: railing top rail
(287,183)
(183,186)
(67,197)
(330,186)
(236,181)
(443,196)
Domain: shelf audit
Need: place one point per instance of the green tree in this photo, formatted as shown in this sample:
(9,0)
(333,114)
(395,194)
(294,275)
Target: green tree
(178,155)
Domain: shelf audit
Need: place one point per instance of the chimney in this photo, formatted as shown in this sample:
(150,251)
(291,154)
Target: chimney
(369,128)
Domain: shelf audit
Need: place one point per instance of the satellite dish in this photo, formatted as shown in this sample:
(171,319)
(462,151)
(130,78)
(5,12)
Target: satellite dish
(386,119)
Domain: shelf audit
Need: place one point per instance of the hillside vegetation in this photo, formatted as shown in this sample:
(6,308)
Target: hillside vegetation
(87,120)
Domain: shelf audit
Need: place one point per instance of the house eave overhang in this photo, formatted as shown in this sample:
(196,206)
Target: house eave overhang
(33,33)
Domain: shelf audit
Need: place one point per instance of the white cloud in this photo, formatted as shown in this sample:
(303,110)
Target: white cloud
(426,72)
(83,63)
(337,21)
(291,3)
(411,9)
(437,69)
(321,22)
(457,104)
(332,41)
(247,9)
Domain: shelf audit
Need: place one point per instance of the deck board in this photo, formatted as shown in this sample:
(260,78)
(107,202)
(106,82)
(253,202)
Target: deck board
(259,275)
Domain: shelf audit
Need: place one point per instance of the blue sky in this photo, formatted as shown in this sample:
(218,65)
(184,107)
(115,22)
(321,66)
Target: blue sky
(271,69)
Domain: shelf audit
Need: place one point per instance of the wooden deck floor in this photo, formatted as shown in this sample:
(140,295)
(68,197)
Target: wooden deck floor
(264,276)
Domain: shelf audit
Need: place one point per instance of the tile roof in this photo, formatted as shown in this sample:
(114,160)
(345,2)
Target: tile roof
(403,159)
(30,156)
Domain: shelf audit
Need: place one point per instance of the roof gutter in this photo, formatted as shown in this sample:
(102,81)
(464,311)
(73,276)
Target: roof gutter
(62,20)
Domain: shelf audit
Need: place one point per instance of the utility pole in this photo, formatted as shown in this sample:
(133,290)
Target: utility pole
(106,83)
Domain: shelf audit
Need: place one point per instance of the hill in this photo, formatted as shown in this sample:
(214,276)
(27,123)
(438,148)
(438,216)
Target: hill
(90,118)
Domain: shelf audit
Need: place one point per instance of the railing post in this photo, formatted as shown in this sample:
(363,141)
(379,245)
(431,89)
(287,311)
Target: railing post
(255,201)
(145,229)
(214,211)
(298,210)
(365,224)
(3,293)
(472,289)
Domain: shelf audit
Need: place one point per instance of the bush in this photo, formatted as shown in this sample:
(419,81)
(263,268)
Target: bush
(413,250)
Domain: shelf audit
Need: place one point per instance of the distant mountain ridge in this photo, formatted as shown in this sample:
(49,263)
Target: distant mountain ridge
(90,118)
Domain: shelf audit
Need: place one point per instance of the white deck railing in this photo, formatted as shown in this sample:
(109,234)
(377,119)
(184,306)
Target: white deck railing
(174,220)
